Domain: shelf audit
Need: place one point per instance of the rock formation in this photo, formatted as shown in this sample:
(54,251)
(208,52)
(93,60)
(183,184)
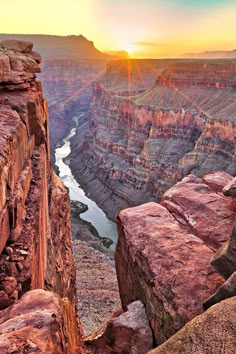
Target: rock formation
(164,251)
(212,332)
(126,332)
(67,84)
(35,243)
(142,141)
(39,322)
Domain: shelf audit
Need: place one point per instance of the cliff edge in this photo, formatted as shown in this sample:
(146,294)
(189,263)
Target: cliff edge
(35,242)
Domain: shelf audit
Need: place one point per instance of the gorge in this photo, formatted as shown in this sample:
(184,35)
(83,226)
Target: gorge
(150,124)
(158,142)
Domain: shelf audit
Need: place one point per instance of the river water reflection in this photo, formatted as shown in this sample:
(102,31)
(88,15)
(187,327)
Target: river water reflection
(94,214)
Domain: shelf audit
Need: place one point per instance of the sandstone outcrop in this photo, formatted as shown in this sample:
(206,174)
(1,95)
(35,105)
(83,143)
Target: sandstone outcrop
(19,46)
(211,332)
(230,188)
(39,322)
(127,333)
(142,140)
(224,259)
(164,251)
(35,243)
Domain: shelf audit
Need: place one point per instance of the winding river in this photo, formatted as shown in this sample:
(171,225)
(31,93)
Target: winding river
(95,215)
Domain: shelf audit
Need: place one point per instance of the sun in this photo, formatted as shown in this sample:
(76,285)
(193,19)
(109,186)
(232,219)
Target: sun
(130,48)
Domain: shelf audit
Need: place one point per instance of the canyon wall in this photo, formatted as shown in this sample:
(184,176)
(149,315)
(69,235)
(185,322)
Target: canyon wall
(163,258)
(141,142)
(67,85)
(35,243)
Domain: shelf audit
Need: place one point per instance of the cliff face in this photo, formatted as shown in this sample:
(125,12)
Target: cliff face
(164,252)
(35,243)
(140,145)
(67,84)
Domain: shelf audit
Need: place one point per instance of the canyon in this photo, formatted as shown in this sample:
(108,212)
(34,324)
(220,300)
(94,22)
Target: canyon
(159,143)
(150,124)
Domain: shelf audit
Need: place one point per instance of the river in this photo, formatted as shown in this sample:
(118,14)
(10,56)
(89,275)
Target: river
(94,214)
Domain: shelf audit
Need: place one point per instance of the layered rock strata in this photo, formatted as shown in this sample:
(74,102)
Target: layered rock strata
(139,145)
(164,251)
(67,84)
(35,243)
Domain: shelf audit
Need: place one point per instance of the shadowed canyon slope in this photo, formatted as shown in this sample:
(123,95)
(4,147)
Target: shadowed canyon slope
(139,142)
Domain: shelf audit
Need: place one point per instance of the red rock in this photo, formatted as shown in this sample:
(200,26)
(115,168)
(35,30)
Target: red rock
(8,284)
(224,259)
(34,204)
(4,300)
(209,215)
(230,189)
(40,321)
(217,180)
(20,46)
(128,332)
(211,332)
(228,289)
(160,262)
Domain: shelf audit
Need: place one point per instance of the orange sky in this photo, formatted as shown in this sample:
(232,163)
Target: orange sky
(148,28)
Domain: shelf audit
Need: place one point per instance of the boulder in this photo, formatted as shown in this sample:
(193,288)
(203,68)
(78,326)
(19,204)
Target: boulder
(20,46)
(162,263)
(39,322)
(224,259)
(212,332)
(228,289)
(129,333)
(230,188)
(208,213)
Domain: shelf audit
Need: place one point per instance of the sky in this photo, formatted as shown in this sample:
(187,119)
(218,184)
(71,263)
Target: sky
(146,28)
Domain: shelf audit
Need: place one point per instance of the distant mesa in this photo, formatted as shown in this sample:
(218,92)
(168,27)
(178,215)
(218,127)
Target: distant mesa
(121,54)
(220,54)
(50,46)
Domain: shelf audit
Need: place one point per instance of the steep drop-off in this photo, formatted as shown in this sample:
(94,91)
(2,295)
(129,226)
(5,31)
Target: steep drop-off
(141,142)
(35,242)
